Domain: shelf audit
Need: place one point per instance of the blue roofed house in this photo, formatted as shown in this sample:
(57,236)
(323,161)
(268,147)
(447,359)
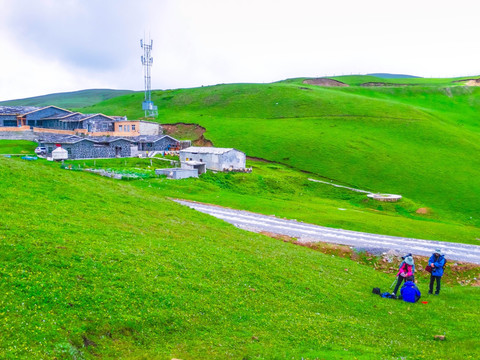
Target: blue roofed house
(102,136)
(53,117)
(10,116)
(36,117)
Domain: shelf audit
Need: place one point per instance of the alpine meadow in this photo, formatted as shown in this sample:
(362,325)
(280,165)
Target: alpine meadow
(98,268)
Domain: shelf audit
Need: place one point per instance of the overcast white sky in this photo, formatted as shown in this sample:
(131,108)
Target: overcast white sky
(65,45)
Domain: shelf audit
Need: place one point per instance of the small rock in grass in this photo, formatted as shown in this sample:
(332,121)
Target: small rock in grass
(439,337)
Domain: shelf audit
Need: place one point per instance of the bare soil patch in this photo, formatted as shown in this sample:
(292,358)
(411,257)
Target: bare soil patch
(284,238)
(261,160)
(423,211)
(473,82)
(324,82)
(469,82)
(192,132)
(373,83)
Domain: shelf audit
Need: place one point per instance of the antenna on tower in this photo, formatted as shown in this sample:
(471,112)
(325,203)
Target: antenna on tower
(147,61)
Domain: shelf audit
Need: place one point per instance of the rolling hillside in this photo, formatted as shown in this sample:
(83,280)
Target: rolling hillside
(96,268)
(68,99)
(419,141)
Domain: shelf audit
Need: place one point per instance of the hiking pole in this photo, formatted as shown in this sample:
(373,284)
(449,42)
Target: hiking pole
(394,281)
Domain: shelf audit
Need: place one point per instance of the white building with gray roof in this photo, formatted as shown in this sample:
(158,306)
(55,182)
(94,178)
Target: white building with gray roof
(218,159)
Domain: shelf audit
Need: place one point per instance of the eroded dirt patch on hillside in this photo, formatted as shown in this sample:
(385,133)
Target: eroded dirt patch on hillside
(192,132)
(324,82)
(424,211)
(469,82)
(373,83)
(473,82)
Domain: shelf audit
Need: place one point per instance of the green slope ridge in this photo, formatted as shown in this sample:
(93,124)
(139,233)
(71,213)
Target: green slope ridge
(418,141)
(86,260)
(71,99)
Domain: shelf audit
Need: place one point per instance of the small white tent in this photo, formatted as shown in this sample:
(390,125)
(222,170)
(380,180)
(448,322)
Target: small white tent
(59,154)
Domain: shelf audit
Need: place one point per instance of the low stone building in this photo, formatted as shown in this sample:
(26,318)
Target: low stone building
(214,158)
(10,115)
(156,143)
(177,173)
(104,147)
(199,166)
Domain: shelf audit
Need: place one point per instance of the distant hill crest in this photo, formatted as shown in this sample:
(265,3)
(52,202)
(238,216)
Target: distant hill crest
(72,99)
(393,76)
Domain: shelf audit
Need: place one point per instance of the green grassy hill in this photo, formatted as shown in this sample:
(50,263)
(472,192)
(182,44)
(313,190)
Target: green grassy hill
(419,141)
(96,268)
(68,99)
(17,147)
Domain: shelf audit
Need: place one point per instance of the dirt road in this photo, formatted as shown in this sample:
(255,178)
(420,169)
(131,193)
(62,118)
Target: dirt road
(313,233)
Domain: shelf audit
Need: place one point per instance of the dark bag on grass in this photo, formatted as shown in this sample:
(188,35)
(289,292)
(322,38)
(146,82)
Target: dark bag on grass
(388,295)
(376,291)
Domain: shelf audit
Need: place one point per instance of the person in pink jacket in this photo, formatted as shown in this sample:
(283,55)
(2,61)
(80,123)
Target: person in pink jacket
(406,269)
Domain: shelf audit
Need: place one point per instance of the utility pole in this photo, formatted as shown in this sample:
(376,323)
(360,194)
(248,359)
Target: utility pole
(147,61)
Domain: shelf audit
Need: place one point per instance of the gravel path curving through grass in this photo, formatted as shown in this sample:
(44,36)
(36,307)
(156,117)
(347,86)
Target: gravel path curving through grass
(314,233)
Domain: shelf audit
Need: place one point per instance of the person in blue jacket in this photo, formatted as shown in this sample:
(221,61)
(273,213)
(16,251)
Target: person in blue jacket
(409,291)
(436,261)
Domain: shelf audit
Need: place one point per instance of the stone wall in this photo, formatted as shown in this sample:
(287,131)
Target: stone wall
(98,123)
(26,133)
(18,135)
(164,144)
(54,131)
(8,120)
(149,128)
(232,159)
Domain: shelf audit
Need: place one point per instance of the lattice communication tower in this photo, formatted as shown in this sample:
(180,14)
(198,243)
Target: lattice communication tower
(147,61)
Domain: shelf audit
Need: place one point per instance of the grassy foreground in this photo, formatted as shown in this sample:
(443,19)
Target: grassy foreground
(96,268)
